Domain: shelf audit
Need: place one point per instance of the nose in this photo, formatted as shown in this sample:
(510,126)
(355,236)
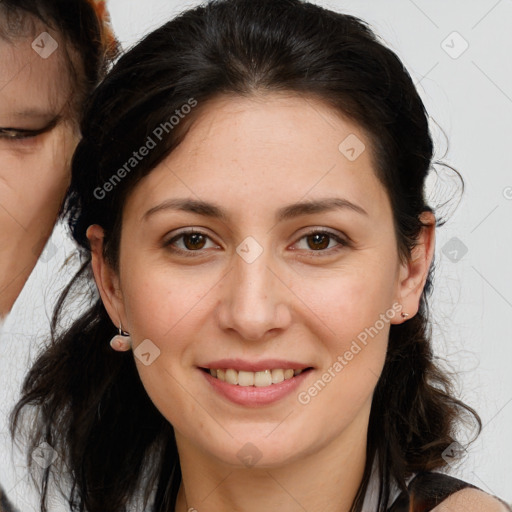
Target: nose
(254,301)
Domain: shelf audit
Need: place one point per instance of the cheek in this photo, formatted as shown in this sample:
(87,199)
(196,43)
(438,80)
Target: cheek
(160,302)
(352,324)
(353,311)
(168,313)
(350,298)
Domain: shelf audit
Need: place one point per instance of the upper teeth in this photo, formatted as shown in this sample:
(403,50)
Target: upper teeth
(259,379)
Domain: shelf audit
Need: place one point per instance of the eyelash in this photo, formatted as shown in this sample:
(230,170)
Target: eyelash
(21,134)
(12,134)
(188,253)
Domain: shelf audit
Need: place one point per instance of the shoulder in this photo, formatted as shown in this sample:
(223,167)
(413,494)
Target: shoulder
(471,500)
(439,492)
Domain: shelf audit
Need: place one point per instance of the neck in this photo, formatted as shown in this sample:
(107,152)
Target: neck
(327,479)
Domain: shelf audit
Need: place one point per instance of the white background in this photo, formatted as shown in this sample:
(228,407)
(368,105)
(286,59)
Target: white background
(470,98)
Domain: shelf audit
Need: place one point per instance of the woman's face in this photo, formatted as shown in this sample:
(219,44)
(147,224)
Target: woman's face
(219,270)
(37,139)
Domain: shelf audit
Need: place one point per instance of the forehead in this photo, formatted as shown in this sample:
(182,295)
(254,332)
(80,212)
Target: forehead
(33,73)
(264,150)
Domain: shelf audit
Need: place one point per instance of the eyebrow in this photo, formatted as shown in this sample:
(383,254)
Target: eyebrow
(285,213)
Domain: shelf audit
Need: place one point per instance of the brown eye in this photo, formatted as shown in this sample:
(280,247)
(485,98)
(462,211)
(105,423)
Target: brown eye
(190,243)
(318,241)
(194,241)
(321,242)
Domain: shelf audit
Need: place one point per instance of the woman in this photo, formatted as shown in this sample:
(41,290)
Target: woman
(248,193)
(52,53)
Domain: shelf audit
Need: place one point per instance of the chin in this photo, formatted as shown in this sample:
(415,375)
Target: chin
(258,452)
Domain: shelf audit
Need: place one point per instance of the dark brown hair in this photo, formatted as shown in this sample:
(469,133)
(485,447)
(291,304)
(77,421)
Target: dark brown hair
(82,390)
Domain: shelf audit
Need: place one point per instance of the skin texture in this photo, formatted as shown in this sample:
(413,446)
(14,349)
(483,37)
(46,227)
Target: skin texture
(34,171)
(471,500)
(301,299)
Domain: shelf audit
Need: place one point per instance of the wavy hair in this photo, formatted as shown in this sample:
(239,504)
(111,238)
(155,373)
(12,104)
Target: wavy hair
(90,403)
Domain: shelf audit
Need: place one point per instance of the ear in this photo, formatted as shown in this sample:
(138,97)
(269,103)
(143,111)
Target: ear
(413,273)
(106,278)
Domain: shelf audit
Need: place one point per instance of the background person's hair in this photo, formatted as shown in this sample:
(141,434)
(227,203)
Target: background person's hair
(87,42)
(92,407)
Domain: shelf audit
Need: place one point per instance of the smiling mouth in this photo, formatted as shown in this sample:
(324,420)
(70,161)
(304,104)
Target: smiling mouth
(257,379)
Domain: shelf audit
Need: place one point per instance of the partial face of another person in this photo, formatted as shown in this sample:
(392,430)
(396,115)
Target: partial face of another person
(37,138)
(221,269)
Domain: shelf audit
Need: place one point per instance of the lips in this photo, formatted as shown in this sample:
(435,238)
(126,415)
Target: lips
(269,372)
(255,388)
